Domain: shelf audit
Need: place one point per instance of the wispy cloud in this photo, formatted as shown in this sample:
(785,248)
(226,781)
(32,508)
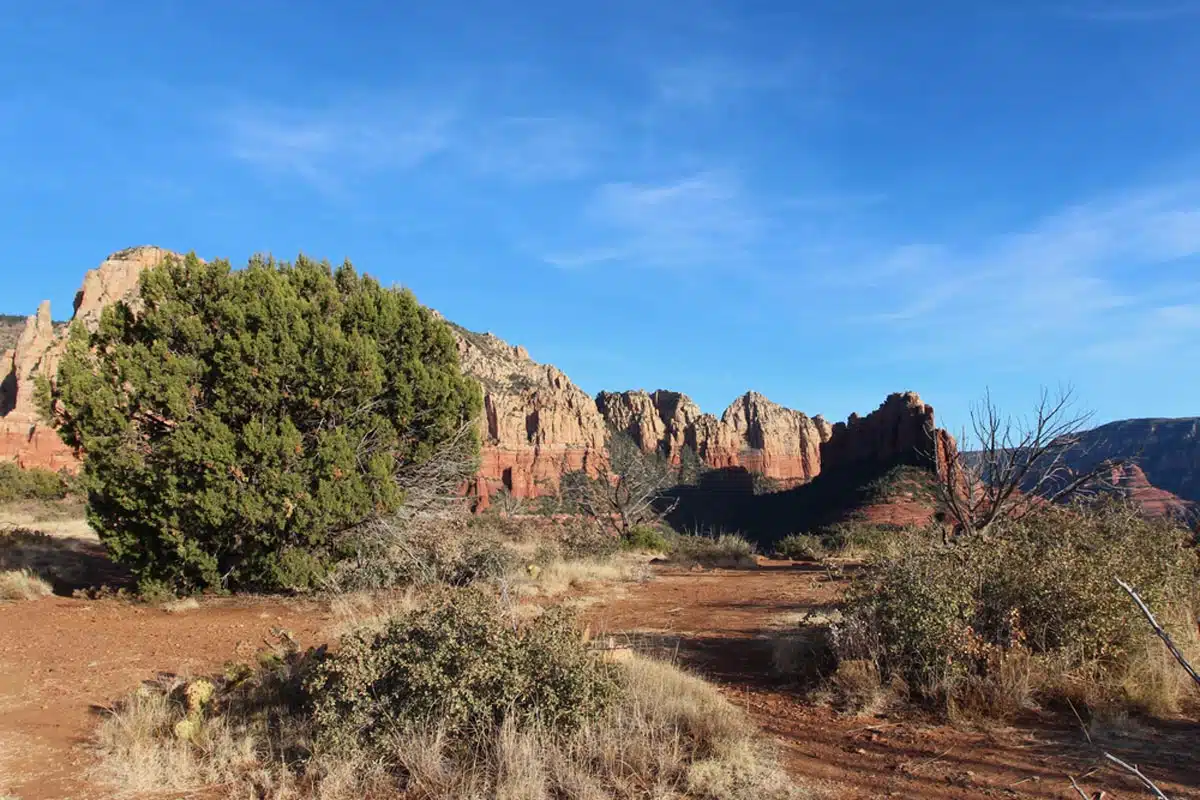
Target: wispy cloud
(333,145)
(703,219)
(327,145)
(707,82)
(1112,277)
(1131,12)
(532,148)
(712,83)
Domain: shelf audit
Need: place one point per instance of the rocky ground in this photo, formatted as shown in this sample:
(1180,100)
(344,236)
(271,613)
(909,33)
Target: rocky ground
(63,660)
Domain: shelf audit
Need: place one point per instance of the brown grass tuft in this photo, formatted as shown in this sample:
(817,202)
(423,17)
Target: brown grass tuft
(559,577)
(726,550)
(671,736)
(21,584)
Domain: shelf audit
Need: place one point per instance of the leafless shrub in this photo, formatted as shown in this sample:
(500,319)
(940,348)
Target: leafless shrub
(627,489)
(434,487)
(1006,467)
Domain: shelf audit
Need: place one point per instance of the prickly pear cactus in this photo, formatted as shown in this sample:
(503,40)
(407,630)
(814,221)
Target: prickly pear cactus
(197,695)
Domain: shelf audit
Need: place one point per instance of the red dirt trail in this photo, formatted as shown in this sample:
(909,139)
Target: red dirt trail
(723,624)
(63,659)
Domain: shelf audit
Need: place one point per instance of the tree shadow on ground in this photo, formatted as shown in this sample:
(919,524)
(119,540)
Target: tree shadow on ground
(67,563)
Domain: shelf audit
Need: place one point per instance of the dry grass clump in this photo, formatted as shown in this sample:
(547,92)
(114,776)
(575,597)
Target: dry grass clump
(181,605)
(21,584)
(1030,613)
(65,562)
(852,539)
(370,610)
(722,550)
(442,722)
(557,577)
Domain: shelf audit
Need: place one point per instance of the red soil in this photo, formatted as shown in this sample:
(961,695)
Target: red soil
(720,623)
(62,660)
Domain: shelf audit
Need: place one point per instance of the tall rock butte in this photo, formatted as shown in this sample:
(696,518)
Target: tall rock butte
(24,437)
(753,433)
(536,424)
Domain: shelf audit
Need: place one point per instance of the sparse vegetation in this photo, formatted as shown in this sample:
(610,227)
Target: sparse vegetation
(1031,611)
(716,550)
(466,702)
(645,538)
(903,482)
(21,584)
(555,577)
(389,553)
(848,539)
(801,547)
(628,488)
(42,485)
(764,484)
(235,421)
(854,538)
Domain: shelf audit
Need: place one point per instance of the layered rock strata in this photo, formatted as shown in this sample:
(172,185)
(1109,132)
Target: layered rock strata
(753,432)
(536,424)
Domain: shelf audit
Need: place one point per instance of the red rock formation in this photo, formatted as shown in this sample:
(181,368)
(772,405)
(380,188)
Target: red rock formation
(24,437)
(753,432)
(901,430)
(1130,480)
(536,423)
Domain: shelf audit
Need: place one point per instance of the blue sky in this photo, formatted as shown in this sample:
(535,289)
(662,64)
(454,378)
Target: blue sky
(821,201)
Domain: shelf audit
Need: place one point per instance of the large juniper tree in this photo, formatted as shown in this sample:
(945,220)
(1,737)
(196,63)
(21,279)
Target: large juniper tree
(235,421)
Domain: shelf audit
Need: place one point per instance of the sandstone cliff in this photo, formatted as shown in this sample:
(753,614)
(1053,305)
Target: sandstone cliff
(1166,450)
(536,422)
(23,436)
(1131,480)
(901,431)
(754,433)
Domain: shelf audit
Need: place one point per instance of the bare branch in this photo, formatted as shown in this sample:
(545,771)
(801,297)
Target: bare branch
(1158,629)
(628,486)
(1137,773)
(434,486)
(1007,467)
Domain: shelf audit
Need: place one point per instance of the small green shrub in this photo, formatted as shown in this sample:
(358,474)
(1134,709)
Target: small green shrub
(863,537)
(584,538)
(251,733)
(34,483)
(940,618)
(463,663)
(645,538)
(801,547)
(721,550)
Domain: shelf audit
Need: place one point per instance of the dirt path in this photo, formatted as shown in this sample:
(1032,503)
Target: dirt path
(723,623)
(63,659)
